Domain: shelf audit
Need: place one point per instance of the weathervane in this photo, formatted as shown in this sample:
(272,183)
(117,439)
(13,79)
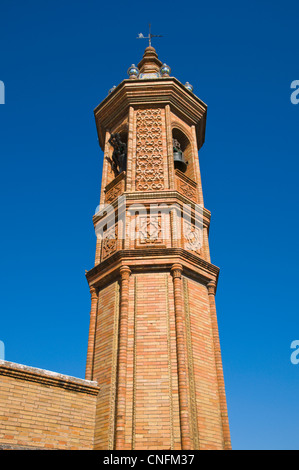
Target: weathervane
(149,37)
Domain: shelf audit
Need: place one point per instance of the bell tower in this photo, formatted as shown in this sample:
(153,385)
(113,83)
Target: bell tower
(153,341)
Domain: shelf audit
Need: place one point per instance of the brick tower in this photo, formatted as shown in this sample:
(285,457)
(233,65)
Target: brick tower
(153,340)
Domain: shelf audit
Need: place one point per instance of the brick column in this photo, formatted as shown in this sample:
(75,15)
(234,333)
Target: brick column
(122,360)
(129,170)
(196,166)
(206,244)
(185,420)
(171,177)
(92,331)
(222,398)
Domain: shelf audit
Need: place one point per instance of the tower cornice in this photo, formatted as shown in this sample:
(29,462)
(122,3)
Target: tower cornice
(153,92)
(152,259)
(154,197)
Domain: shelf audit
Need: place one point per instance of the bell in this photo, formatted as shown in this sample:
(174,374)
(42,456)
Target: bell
(178,159)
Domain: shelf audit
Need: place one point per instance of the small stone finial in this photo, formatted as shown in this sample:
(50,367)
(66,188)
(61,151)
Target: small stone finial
(112,89)
(188,86)
(165,70)
(133,71)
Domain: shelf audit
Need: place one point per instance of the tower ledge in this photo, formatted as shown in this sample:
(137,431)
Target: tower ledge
(151,91)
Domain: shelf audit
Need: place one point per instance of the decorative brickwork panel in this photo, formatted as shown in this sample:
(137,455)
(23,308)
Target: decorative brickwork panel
(115,189)
(109,242)
(114,192)
(149,151)
(186,186)
(149,231)
(187,190)
(192,237)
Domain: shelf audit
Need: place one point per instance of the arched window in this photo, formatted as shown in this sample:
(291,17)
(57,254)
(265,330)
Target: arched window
(182,153)
(118,152)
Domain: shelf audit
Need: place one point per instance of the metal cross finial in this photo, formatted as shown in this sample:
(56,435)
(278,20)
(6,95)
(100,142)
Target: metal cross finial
(149,37)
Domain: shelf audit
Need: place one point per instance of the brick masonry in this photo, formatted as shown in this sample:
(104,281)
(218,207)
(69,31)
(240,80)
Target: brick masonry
(156,344)
(45,410)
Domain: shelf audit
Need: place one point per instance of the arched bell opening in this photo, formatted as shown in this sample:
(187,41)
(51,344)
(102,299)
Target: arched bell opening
(182,153)
(118,152)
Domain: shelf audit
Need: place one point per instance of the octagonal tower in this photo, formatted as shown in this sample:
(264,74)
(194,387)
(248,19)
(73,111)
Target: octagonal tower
(153,341)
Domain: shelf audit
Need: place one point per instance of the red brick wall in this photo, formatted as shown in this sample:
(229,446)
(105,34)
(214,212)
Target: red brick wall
(155,377)
(39,409)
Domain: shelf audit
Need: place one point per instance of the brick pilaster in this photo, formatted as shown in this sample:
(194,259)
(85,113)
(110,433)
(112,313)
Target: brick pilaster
(185,420)
(169,143)
(219,370)
(122,360)
(91,336)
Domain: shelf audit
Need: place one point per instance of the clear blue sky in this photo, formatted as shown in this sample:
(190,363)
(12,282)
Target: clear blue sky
(58,61)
